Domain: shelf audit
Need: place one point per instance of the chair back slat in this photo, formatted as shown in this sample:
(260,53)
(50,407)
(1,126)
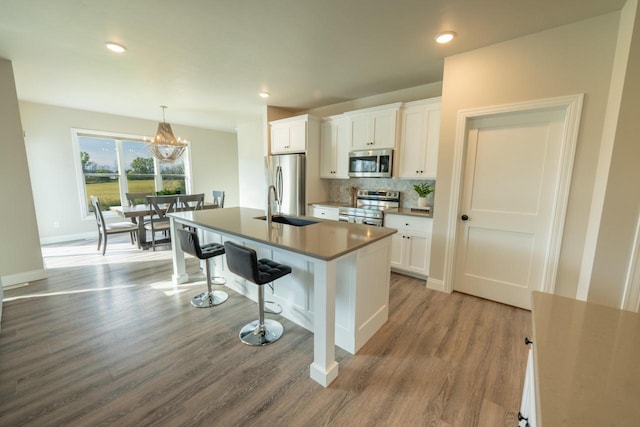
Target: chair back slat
(137,198)
(162,205)
(97,210)
(191,202)
(218,198)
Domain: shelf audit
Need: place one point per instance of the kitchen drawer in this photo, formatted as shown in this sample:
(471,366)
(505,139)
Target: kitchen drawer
(325,212)
(409,223)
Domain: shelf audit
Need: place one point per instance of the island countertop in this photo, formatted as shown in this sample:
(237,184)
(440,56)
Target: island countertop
(325,240)
(586,363)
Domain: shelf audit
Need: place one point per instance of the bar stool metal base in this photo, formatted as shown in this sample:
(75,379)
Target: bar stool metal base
(254,334)
(209,299)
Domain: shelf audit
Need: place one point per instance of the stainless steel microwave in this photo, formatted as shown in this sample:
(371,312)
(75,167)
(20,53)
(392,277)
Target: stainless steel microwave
(371,163)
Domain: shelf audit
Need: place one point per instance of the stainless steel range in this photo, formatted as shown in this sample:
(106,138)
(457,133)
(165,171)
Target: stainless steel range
(370,207)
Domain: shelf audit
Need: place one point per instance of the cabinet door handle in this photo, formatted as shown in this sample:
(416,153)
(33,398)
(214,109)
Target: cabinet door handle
(522,418)
(527,341)
(464,217)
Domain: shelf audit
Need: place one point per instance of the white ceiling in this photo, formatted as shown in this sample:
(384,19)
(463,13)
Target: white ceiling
(208,59)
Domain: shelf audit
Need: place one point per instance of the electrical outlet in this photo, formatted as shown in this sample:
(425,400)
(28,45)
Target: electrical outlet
(56,224)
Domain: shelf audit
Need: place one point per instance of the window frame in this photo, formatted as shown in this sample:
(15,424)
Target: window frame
(76,133)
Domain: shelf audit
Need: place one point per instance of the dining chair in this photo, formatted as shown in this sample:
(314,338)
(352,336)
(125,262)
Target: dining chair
(191,202)
(160,206)
(218,198)
(105,229)
(137,198)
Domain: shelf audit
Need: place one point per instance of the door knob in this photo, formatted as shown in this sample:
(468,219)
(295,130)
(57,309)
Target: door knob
(464,217)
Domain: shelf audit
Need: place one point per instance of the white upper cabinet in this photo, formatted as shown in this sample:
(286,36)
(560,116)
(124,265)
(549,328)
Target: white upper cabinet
(373,127)
(334,147)
(290,135)
(419,138)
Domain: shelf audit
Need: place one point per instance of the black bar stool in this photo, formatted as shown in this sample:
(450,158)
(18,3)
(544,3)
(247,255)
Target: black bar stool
(191,244)
(245,263)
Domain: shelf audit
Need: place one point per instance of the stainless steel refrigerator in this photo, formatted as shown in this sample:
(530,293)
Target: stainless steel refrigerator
(287,173)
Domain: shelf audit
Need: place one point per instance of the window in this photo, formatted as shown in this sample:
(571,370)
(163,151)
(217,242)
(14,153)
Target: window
(111,165)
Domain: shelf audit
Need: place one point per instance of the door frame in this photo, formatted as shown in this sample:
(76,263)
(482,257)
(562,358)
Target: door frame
(572,106)
(631,297)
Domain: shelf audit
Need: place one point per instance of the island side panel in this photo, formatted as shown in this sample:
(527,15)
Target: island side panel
(372,290)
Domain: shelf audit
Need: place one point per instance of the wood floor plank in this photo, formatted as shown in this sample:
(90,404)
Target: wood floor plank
(110,341)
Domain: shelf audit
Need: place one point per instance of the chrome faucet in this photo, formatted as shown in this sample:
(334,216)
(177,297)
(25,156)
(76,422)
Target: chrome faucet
(275,199)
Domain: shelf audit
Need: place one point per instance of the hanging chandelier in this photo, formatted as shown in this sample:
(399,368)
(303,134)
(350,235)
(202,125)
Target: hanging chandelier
(164,146)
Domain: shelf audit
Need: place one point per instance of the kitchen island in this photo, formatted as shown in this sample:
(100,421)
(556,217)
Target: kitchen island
(339,285)
(583,368)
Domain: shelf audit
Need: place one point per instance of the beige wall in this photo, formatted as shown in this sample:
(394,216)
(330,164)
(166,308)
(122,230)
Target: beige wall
(251,175)
(621,209)
(20,255)
(53,171)
(567,60)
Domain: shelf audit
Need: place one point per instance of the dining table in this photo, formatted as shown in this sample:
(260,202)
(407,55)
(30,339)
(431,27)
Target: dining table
(137,214)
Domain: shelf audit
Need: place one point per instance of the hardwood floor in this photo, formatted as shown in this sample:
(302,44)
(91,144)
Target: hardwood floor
(110,341)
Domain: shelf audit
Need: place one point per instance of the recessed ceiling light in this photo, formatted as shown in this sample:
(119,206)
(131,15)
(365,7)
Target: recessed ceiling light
(445,37)
(115,47)
(264,94)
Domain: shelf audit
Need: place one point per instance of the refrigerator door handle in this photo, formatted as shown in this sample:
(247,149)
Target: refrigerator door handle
(279,184)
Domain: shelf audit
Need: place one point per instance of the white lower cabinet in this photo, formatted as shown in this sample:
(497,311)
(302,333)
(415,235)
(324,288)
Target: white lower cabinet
(527,414)
(411,245)
(324,212)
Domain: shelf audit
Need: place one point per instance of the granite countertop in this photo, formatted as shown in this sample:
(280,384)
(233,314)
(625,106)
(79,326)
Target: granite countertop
(587,363)
(324,240)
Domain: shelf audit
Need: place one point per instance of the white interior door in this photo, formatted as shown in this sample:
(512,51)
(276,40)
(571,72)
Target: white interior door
(511,174)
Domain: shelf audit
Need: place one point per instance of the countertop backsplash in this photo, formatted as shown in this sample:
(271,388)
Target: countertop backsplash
(339,189)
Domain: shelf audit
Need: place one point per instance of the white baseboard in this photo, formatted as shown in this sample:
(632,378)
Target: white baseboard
(408,273)
(436,285)
(68,238)
(11,280)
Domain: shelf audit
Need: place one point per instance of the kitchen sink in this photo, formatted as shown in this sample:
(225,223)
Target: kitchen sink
(289,220)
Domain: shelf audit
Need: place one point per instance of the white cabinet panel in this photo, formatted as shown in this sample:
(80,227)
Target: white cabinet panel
(374,127)
(411,245)
(334,148)
(289,135)
(528,404)
(419,139)
(325,212)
